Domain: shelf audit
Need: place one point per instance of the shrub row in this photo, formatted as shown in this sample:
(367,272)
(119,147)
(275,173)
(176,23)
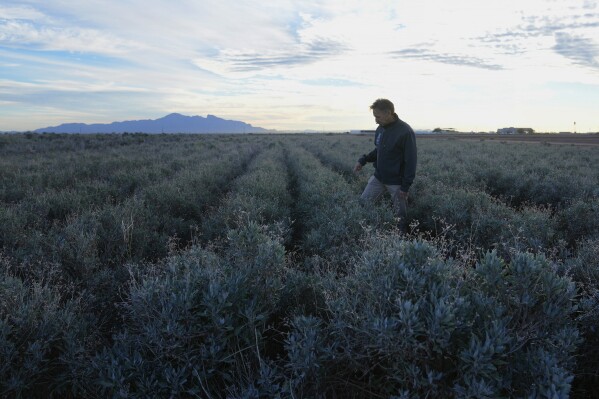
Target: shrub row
(474,218)
(259,195)
(83,222)
(341,155)
(467,188)
(331,217)
(517,174)
(402,322)
(112,173)
(242,320)
(194,325)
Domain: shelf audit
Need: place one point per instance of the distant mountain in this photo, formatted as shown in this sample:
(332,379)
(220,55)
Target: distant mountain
(172,123)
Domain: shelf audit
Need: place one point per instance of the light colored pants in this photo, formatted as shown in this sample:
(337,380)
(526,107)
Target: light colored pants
(374,189)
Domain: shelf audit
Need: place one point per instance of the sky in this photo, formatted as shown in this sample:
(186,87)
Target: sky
(471,65)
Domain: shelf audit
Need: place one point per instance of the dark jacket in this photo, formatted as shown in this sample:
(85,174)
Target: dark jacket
(395,154)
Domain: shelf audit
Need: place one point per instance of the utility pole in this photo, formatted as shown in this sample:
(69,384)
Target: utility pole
(574,127)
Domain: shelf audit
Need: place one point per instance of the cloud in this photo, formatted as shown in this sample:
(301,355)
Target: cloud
(529,31)
(548,25)
(162,28)
(452,59)
(75,95)
(332,82)
(19,12)
(93,102)
(25,34)
(302,45)
(580,50)
(233,61)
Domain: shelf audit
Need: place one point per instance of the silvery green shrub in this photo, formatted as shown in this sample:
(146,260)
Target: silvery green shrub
(584,269)
(194,325)
(259,195)
(409,323)
(41,331)
(332,218)
(580,219)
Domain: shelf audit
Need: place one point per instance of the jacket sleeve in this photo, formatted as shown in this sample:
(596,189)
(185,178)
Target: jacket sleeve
(409,166)
(370,157)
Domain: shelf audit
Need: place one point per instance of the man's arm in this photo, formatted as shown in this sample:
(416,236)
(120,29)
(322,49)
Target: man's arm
(364,159)
(410,158)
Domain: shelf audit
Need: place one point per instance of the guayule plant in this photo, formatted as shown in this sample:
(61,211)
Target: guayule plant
(332,217)
(584,269)
(407,322)
(579,220)
(194,325)
(259,195)
(166,176)
(41,330)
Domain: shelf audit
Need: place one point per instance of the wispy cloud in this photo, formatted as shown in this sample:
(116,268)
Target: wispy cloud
(158,27)
(332,82)
(536,26)
(302,54)
(25,34)
(568,28)
(8,12)
(580,50)
(234,61)
(444,58)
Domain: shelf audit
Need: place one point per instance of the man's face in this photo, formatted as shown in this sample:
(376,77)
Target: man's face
(383,117)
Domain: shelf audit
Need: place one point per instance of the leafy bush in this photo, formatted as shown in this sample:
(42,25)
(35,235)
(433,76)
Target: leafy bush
(471,217)
(41,330)
(408,323)
(331,217)
(579,220)
(584,269)
(194,325)
(259,195)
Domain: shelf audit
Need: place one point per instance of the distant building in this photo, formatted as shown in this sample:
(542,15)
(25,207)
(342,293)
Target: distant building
(361,131)
(515,130)
(444,130)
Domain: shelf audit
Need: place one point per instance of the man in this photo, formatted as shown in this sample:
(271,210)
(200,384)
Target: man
(394,159)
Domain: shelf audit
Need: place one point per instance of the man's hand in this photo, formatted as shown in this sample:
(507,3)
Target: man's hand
(358,167)
(402,194)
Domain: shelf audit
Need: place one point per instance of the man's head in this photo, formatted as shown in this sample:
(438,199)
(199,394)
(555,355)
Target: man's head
(383,111)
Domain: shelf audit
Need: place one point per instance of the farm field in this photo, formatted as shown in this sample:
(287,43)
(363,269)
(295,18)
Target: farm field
(537,138)
(244,266)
